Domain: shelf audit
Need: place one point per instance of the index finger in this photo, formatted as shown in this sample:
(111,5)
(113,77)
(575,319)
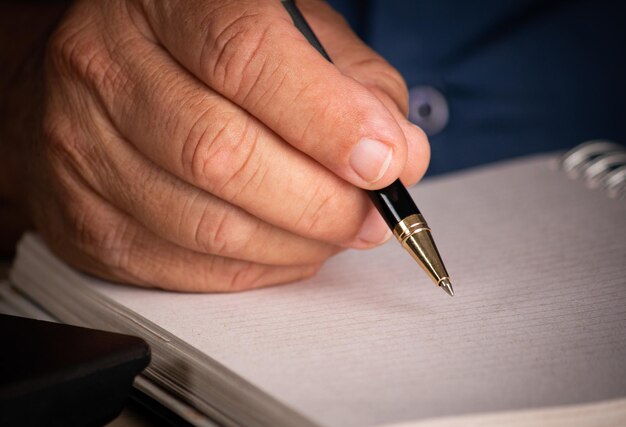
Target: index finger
(251,53)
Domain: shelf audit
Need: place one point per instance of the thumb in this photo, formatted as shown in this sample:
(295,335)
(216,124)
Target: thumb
(357,60)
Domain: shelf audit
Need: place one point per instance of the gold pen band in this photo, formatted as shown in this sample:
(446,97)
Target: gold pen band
(410,225)
(413,233)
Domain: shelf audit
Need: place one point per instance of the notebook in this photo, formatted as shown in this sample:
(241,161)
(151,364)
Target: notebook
(536,333)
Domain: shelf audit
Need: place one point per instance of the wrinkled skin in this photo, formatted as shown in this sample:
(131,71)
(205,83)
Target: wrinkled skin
(206,146)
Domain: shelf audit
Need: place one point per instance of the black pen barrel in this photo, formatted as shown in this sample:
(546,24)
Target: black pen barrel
(303,26)
(394,203)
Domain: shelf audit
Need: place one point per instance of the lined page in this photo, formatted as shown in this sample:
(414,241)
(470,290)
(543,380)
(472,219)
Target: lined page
(538,264)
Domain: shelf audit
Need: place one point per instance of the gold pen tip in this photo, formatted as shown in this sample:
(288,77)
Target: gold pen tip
(446,286)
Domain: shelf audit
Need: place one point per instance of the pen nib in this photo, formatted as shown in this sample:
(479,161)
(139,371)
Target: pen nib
(447,286)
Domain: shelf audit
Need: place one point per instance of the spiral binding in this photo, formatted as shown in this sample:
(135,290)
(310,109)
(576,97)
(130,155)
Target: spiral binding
(600,164)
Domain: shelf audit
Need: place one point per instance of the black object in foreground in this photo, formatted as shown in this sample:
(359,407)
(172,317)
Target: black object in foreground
(59,375)
(393,202)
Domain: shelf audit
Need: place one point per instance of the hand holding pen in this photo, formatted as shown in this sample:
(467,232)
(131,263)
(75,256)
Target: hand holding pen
(204,146)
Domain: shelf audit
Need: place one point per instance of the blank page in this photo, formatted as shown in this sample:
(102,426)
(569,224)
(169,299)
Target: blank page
(539,317)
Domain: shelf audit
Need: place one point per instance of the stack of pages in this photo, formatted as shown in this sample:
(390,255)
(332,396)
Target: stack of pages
(536,332)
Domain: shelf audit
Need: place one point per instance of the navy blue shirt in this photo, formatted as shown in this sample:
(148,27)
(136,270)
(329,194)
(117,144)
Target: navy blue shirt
(501,78)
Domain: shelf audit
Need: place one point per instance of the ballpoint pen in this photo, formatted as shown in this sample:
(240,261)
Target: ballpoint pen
(393,202)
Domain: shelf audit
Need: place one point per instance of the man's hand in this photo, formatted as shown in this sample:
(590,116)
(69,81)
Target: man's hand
(206,146)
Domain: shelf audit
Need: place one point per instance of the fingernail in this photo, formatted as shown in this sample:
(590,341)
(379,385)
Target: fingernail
(374,230)
(370,159)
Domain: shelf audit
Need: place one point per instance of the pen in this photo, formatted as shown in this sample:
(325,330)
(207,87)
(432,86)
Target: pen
(393,202)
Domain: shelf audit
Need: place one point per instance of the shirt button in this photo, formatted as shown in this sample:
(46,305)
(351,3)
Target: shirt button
(428,109)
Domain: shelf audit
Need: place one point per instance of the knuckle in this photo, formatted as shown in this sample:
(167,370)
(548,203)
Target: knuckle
(376,73)
(319,214)
(61,142)
(79,51)
(236,50)
(61,43)
(113,246)
(395,85)
(216,150)
(75,48)
(66,149)
(108,240)
(393,76)
(244,277)
(212,232)
(224,233)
